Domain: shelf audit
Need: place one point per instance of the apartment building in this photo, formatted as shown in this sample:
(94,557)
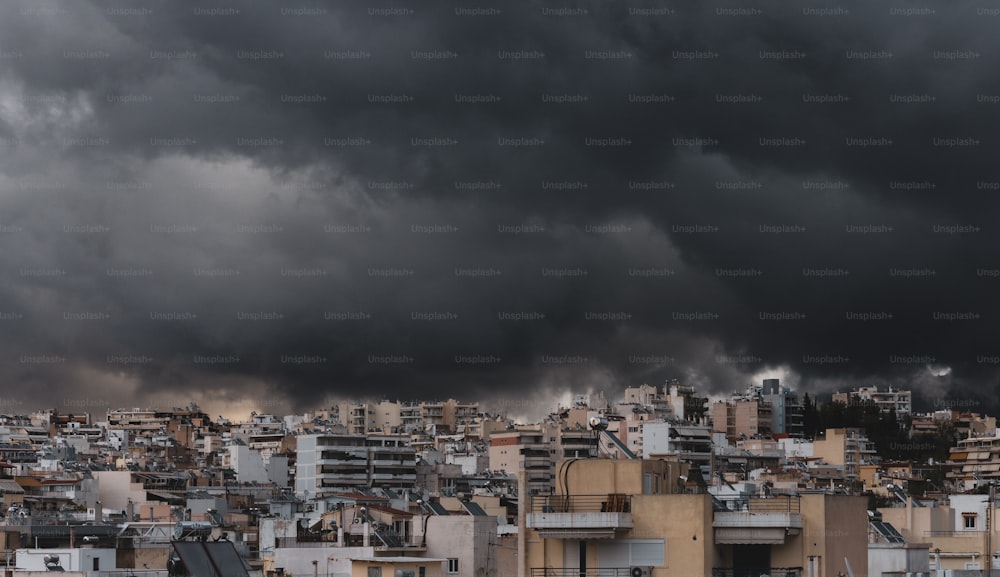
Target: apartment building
(848,448)
(623,518)
(690,444)
(889,400)
(673,401)
(526,451)
(742,418)
(330,463)
(445,417)
(761,410)
(956,531)
(787,412)
(974,461)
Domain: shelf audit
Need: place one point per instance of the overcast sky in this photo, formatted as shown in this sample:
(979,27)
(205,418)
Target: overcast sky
(267,205)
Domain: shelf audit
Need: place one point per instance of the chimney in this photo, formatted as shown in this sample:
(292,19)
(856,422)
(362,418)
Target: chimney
(129,511)
(98,513)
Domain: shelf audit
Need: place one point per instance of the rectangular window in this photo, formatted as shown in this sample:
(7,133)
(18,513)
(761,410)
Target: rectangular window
(97,564)
(970,520)
(421,571)
(452,565)
(374,572)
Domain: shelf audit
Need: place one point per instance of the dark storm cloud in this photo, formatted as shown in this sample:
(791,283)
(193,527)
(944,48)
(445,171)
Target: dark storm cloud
(312,200)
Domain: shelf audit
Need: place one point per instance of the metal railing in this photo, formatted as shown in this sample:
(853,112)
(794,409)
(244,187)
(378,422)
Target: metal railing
(608,503)
(968,533)
(756,571)
(571,572)
(776,504)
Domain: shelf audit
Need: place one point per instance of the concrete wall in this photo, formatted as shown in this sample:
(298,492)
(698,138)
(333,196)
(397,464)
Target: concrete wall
(248,464)
(831,448)
(432,568)
(684,522)
(115,488)
(80,559)
(885,557)
(505,457)
(957,548)
(141,557)
(330,561)
(277,470)
(305,471)
(506,556)
(467,538)
(603,476)
(17,573)
(834,527)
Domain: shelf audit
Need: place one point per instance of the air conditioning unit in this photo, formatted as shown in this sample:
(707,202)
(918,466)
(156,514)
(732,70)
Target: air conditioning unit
(640,571)
(357,520)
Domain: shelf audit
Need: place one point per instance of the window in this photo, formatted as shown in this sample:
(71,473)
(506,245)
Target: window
(421,571)
(374,572)
(969,520)
(97,564)
(452,565)
(632,552)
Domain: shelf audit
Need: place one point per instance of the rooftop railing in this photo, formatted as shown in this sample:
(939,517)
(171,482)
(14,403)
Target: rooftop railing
(757,571)
(607,503)
(571,572)
(775,504)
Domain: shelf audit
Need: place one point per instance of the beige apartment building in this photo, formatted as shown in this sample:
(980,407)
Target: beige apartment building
(889,400)
(361,417)
(742,418)
(849,448)
(526,452)
(956,532)
(629,518)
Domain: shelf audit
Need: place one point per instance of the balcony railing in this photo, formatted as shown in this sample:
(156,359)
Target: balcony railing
(571,572)
(966,533)
(589,513)
(612,503)
(756,571)
(776,504)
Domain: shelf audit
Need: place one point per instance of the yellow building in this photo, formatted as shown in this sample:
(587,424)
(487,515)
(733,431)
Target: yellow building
(849,448)
(631,518)
(956,531)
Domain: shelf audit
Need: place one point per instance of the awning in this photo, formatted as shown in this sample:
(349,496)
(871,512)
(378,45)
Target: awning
(749,536)
(576,534)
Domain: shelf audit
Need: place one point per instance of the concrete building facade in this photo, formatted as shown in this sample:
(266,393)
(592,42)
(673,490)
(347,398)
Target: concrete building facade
(628,517)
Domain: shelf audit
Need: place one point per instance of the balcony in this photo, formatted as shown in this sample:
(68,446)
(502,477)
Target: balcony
(757,571)
(579,516)
(756,521)
(572,572)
